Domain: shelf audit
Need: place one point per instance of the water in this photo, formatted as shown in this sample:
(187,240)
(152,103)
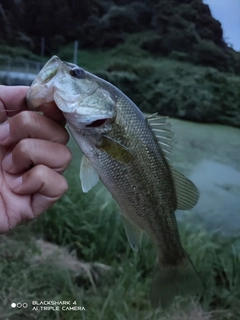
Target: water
(209,155)
(219,203)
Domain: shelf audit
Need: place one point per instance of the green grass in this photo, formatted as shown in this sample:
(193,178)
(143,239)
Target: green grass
(89,60)
(90,225)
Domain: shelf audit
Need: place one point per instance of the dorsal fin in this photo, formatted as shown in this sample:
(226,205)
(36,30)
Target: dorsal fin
(162,132)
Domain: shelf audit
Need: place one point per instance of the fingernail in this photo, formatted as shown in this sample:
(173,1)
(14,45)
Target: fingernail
(4,131)
(7,162)
(16,183)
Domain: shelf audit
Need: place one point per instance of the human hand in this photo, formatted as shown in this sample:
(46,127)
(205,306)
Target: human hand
(33,156)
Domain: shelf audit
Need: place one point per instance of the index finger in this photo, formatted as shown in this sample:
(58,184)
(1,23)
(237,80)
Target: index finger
(12,101)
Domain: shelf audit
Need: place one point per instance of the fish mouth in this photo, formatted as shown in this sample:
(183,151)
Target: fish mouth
(42,88)
(97,123)
(86,121)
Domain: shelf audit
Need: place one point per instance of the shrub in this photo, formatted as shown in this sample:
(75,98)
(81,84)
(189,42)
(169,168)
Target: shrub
(209,54)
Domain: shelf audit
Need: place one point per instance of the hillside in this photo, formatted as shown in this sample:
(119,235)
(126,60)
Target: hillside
(183,29)
(167,56)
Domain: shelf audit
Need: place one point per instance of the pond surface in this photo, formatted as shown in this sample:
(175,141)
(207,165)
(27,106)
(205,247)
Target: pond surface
(209,155)
(219,203)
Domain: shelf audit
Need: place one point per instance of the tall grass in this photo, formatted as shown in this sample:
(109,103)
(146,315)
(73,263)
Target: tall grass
(90,225)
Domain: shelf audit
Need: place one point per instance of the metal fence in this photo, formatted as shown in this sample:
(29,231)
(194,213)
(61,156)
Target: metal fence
(18,71)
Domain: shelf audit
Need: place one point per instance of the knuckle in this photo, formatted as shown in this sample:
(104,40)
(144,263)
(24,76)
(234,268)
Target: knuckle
(63,186)
(63,159)
(22,148)
(26,118)
(68,156)
(41,172)
(46,175)
(64,137)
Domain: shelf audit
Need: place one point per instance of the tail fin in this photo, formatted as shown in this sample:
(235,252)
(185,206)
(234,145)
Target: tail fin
(172,281)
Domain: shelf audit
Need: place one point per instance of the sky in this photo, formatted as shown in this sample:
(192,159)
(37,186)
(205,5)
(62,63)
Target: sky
(228,13)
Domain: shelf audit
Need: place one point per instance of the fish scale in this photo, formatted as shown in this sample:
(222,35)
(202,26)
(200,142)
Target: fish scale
(145,201)
(128,153)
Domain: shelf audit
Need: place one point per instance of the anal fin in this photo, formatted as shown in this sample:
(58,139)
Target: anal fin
(134,234)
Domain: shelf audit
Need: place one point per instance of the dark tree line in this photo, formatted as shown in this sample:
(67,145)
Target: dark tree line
(185,26)
(25,22)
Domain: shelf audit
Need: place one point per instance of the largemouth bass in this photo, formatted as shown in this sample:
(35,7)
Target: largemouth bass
(128,152)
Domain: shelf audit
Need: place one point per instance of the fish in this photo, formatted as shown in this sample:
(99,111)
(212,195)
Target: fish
(129,153)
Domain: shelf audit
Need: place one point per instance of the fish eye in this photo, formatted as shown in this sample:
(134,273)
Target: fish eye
(77,73)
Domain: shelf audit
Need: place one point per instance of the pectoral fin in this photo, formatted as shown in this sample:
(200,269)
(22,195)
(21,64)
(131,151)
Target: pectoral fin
(187,192)
(116,150)
(134,234)
(88,175)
